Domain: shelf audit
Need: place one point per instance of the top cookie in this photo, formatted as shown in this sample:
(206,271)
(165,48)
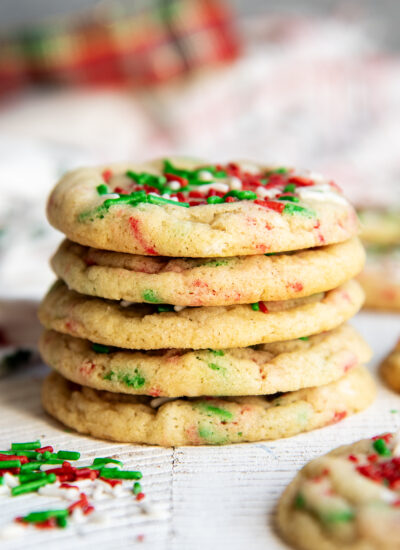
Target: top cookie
(346,500)
(192,209)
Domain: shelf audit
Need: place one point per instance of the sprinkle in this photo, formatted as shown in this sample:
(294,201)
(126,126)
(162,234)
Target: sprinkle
(337,516)
(140,496)
(106,175)
(255,306)
(164,308)
(179,308)
(32,485)
(28,445)
(304,338)
(33,476)
(69,455)
(215,200)
(99,348)
(102,189)
(152,199)
(290,188)
(35,517)
(7,464)
(30,466)
(263,307)
(299,501)
(106,460)
(296,209)
(48,448)
(115,473)
(137,488)
(241,195)
(381,448)
(277,206)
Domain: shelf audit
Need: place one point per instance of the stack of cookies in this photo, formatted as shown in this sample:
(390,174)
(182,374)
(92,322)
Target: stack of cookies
(380,278)
(202,304)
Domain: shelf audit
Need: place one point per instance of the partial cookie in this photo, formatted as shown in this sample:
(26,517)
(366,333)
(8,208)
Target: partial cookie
(204,421)
(346,500)
(198,282)
(390,368)
(380,226)
(185,208)
(142,327)
(381,278)
(265,369)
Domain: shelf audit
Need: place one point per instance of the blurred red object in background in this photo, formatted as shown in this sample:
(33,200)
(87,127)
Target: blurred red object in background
(140,49)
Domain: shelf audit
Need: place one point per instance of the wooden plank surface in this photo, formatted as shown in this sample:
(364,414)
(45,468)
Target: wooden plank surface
(222,496)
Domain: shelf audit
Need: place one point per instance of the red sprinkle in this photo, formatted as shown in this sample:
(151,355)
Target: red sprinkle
(263,307)
(230,199)
(112,482)
(173,177)
(277,206)
(300,181)
(22,459)
(140,496)
(386,437)
(44,449)
(68,486)
(352,458)
(106,175)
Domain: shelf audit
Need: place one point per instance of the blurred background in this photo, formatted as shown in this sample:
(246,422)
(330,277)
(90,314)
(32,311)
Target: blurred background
(314,83)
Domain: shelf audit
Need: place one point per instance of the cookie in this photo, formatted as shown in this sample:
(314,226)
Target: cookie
(185,208)
(265,369)
(380,226)
(381,278)
(346,500)
(390,368)
(140,326)
(204,421)
(211,282)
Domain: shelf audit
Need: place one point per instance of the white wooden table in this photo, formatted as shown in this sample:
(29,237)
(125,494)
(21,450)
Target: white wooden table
(222,496)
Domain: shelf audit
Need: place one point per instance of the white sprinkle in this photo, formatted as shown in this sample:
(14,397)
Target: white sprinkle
(388,496)
(174,185)
(110,196)
(266,193)
(158,401)
(77,516)
(205,175)
(57,491)
(234,183)
(125,303)
(10,480)
(12,531)
(249,167)
(215,186)
(179,308)
(320,192)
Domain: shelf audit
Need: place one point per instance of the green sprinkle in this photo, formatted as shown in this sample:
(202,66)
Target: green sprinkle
(28,454)
(280,170)
(150,296)
(30,466)
(27,445)
(137,380)
(217,352)
(290,188)
(137,488)
(5,464)
(255,306)
(304,338)
(240,434)
(299,501)
(218,411)
(296,209)
(43,457)
(33,485)
(381,448)
(270,254)
(33,476)
(214,366)
(116,473)
(154,199)
(68,455)
(99,348)
(241,195)
(215,200)
(164,308)
(290,198)
(394,411)
(102,189)
(337,516)
(209,435)
(106,460)
(109,375)
(38,517)
(62,521)
(53,461)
